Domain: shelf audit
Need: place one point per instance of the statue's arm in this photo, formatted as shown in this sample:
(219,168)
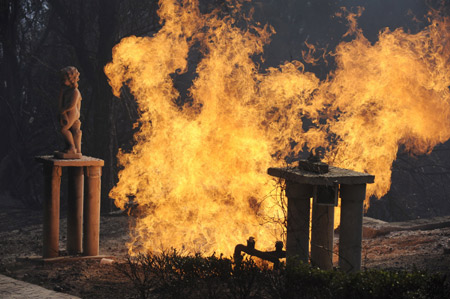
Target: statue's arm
(74,98)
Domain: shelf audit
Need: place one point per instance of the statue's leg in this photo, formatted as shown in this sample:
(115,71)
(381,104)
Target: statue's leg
(68,137)
(69,140)
(76,132)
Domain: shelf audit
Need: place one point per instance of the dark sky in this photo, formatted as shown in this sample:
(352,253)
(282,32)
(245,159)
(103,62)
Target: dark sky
(315,21)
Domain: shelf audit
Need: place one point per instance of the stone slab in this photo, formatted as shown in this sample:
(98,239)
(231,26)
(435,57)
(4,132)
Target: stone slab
(63,259)
(84,161)
(11,288)
(335,175)
(373,227)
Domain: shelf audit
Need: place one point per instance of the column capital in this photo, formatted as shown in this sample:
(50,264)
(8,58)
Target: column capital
(53,170)
(352,192)
(297,190)
(93,171)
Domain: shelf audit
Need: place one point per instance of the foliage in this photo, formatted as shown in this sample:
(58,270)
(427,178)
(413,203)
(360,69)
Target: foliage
(172,275)
(298,280)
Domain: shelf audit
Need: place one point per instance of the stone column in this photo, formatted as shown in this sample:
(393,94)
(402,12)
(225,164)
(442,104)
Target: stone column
(297,239)
(75,210)
(350,233)
(91,227)
(322,234)
(52,177)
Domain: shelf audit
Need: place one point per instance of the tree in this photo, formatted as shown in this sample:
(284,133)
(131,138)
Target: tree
(39,37)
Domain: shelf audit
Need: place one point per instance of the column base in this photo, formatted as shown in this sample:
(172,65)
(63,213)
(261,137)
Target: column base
(62,155)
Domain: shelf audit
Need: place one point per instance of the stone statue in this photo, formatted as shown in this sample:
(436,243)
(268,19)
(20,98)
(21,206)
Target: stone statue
(69,113)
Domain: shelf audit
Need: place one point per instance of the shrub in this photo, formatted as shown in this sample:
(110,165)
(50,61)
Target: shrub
(172,275)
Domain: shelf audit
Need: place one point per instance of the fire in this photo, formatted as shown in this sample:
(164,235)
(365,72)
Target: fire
(390,94)
(198,171)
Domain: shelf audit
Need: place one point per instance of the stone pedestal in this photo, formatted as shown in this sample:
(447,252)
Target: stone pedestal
(350,235)
(52,177)
(92,211)
(75,210)
(322,233)
(297,241)
(79,239)
(299,186)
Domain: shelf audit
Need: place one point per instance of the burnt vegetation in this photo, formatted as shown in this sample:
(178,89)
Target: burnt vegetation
(173,275)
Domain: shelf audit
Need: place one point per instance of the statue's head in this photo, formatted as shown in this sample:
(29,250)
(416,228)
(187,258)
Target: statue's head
(70,76)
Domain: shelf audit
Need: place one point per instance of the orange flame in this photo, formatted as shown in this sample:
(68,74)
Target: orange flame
(198,172)
(389,94)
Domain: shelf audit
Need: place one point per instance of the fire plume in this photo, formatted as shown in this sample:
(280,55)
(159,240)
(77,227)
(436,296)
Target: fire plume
(198,170)
(392,93)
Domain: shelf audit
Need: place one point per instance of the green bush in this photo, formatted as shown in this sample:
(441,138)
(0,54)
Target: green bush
(172,275)
(299,280)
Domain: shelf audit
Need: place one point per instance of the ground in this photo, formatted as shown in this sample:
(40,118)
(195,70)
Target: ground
(422,244)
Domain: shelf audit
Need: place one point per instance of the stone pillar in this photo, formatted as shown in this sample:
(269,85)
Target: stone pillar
(92,211)
(297,239)
(52,177)
(75,210)
(322,234)
(350,233)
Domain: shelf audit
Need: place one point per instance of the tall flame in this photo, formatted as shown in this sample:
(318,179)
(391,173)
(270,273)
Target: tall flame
(389,94)
(198,172)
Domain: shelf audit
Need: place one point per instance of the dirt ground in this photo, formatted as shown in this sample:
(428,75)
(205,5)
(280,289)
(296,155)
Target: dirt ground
(421,244)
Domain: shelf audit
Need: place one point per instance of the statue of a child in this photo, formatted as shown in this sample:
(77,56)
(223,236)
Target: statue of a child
(69,113)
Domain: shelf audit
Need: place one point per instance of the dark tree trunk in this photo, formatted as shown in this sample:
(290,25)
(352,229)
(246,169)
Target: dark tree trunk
(104,137)
(9,66)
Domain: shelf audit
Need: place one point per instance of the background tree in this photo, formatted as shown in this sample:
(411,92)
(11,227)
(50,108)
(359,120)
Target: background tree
(39,37)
